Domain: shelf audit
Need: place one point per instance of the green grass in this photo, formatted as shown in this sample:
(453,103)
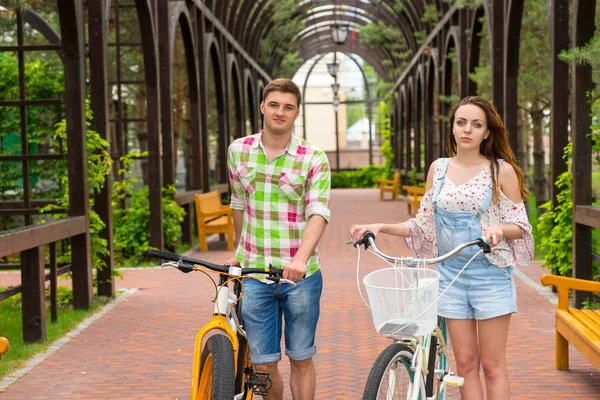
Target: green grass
(11,328)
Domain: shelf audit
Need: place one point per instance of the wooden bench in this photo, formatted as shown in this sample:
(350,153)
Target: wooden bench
(581,328)
(414,194)
(213,217)
(389,185)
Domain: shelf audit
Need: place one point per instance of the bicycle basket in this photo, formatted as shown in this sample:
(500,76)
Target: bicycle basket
(403,300)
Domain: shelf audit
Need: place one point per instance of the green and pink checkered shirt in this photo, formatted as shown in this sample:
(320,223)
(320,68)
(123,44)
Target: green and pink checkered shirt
(277,198)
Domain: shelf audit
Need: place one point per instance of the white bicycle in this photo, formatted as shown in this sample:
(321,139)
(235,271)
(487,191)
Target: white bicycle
(416,366)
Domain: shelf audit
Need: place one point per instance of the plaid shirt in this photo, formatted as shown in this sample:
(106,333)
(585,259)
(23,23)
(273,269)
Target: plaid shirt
(277,198)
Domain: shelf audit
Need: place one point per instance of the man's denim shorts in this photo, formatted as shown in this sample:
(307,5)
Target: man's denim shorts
(482,291)
(262,308)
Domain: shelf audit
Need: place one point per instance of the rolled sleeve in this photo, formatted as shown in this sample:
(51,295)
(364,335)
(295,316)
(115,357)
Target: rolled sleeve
(318,187)
(515,213)
(422,239)
(237,191)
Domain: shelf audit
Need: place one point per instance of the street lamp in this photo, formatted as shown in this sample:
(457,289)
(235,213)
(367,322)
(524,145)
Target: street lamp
(336,88)
(332,68)
(339,34)
(336,104)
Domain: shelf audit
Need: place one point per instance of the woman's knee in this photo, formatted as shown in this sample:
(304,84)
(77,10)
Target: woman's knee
(493,369)
(467,364)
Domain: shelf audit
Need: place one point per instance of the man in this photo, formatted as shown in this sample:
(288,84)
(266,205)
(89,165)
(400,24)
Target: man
(280,188)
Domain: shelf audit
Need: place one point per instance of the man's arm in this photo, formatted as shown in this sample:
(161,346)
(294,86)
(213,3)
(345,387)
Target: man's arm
(317,213)
(238,220)
(315,228)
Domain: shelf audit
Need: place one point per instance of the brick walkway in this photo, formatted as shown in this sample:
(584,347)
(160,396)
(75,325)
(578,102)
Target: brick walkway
(142,348)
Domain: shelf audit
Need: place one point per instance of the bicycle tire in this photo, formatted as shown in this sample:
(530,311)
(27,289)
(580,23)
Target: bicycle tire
(396,356)
(217,378)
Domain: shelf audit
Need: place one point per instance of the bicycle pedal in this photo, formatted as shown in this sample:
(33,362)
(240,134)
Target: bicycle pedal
(260,380)
(454,380)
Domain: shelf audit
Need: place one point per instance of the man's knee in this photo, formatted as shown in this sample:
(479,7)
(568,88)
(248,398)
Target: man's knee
(269,368)
(302,366)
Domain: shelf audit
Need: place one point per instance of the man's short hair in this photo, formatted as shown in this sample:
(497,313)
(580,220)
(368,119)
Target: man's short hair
(283,85)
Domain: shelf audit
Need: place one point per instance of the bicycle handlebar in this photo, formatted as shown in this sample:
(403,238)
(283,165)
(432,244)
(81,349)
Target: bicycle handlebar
(368,239)
(186,264)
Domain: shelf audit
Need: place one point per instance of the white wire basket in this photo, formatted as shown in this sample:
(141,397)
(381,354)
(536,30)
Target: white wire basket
(403,300)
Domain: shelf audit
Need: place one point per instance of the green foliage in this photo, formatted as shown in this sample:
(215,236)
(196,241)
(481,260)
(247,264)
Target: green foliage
(384,123)
(283,40)
(381,35)
(131,223)
(99,164)
(558,221)
(361,178)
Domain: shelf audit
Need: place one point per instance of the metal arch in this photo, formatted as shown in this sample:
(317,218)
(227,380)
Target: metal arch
(243,15)
(179,16)
(304,93)
(369,103)
(426,44)
(37,22)
(260,87)
(234,78)
(213,51)
(150,54)
(404,133)
(514,17)
(432,135)
(250,99)
(475,43)
(419,116)
(453,35)
(451,38)
(71,28)
(361,50)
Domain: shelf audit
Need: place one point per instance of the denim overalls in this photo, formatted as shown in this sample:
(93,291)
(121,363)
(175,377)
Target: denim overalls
(482,290)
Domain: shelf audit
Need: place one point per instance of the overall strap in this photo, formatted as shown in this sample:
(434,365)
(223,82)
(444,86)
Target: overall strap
(437,185)
(487,200)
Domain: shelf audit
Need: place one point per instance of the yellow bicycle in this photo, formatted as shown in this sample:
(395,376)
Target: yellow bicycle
(222,367)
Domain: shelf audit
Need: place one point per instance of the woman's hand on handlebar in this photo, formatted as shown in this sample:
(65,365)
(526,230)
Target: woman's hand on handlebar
(357,231)
(493,234)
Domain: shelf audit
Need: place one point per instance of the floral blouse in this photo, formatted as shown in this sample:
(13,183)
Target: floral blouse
(468,197)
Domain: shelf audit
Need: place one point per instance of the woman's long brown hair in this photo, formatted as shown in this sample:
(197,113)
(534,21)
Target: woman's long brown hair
(495,147)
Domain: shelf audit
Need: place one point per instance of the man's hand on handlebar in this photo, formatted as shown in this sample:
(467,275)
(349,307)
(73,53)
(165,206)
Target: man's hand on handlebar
(233,262)
(294,271)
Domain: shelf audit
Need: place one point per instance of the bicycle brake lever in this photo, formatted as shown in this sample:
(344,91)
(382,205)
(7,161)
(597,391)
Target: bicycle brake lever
(282,280)
(483,244)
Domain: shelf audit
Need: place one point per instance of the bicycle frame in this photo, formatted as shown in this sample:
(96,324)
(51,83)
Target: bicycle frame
(222,321)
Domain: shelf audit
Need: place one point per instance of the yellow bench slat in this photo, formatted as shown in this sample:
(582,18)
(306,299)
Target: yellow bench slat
(586,320)
(582,338)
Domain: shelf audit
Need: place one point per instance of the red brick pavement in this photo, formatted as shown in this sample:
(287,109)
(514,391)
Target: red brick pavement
(142,348)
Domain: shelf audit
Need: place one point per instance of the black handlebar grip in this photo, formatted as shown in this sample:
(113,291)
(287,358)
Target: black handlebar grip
(163,255)
(365,239)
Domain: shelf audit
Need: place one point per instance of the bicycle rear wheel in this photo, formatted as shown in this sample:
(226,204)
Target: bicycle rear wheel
(391,377)
(217,378)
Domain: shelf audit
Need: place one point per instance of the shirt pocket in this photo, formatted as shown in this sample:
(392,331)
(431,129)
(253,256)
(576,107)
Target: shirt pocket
(291,186)
(247,179)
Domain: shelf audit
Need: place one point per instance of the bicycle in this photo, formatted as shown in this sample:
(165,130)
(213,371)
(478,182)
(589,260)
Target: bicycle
(222,367)
(419,351)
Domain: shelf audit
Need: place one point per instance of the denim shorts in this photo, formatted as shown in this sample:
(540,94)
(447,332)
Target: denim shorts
(482,291)
(262,310)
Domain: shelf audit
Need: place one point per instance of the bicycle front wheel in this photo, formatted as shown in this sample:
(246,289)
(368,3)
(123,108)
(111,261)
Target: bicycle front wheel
(391,377)
(217,377)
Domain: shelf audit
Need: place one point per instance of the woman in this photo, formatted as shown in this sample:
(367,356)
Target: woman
(478,192)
